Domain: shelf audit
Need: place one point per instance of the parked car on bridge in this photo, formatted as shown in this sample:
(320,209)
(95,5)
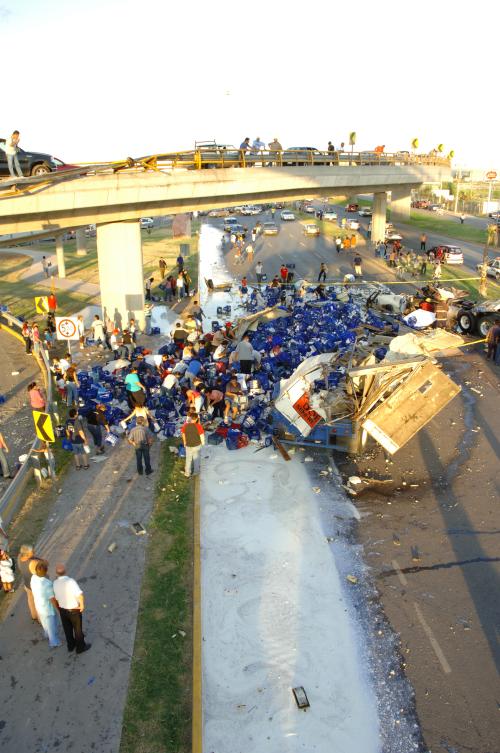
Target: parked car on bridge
(270,228)
(287,215)
(447,253)
(492,268)
(32,163)
(146,223)
(300,155)
(311,229)
(330,216)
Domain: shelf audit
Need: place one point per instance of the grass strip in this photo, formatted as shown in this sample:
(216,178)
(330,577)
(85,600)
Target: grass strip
(157,715)
(450,228)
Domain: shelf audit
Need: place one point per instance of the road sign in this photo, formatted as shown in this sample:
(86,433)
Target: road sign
(43,426)
(42,304)
(491,175)
(67,327)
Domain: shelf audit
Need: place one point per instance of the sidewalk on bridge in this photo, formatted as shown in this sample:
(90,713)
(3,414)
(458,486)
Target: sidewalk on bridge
(56,700)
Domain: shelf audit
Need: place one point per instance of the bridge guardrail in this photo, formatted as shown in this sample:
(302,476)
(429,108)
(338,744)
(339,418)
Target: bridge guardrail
(200,159)
(11,500)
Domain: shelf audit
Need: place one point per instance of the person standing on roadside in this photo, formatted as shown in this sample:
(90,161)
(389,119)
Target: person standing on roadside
(180,262)
(45,266)
(141,440)
(97,328)
(4,463)
(437,271)
(357,261)
(193,439)
(76,435)
(180,286)
(11,150)
(71,603)
(72,385)
(422,258)
(163,267)
(36,396)
(149,284)
(462,218)
(322,273)
(259,271)
(493,341)
(36,339)
(423,242)
(80,328)
(45,603)
(26,335)
(25,557)
(338,243)
(96,422)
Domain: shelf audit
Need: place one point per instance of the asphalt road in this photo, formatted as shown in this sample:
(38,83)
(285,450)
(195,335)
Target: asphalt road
(433,542)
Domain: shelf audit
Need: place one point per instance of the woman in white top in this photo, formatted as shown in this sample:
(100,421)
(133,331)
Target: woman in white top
(139,410)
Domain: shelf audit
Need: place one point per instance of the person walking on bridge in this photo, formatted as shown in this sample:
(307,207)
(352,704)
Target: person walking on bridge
(11,149)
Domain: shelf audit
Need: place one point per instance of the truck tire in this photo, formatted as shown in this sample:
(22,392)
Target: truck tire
(484,324)
(466,322)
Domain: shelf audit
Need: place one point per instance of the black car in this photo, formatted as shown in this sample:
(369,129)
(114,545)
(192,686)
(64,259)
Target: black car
(32,163)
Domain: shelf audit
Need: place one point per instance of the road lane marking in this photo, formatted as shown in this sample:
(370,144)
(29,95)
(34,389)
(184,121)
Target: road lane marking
(435,645)
(401,576)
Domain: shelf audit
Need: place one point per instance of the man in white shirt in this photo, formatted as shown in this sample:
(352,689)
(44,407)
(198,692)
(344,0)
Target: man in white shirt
(71,603)
(97,328)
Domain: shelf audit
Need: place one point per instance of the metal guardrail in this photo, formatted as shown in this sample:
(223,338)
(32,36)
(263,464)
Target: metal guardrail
(206,158)
(11,500)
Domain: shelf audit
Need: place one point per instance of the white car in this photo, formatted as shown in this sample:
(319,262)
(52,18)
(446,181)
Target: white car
(454,255)
(146,222)
(287,215)
(365,212)
(353,224)
(391,235)
(492,268)
(310,210)
(330,216)
(250,209)
(311,229)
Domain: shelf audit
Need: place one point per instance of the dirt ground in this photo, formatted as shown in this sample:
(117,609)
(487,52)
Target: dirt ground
(432,542)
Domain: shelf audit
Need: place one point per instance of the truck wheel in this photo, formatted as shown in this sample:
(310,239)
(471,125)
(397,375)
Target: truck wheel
(484,325)
(41,169)
(466,322)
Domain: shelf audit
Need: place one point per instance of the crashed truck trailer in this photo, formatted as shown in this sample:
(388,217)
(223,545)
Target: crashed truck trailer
(390,401)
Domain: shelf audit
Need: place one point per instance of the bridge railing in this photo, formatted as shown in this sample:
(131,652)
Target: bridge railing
(217,157)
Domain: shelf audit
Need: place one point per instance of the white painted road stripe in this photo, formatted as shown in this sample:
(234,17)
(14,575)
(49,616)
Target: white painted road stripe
(435,645)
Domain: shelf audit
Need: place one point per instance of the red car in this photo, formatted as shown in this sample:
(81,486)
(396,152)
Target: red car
(60,165)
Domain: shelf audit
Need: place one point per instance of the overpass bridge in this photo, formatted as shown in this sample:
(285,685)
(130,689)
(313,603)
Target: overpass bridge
(115,195)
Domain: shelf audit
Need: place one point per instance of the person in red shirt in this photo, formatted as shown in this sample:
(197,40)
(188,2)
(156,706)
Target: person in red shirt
(284,273)
(193,439)
(52,302)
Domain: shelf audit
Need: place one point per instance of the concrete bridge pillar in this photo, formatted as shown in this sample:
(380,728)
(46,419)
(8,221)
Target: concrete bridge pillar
(81,242)
(379,216)
(121,276)
(401,203)
(61,266)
